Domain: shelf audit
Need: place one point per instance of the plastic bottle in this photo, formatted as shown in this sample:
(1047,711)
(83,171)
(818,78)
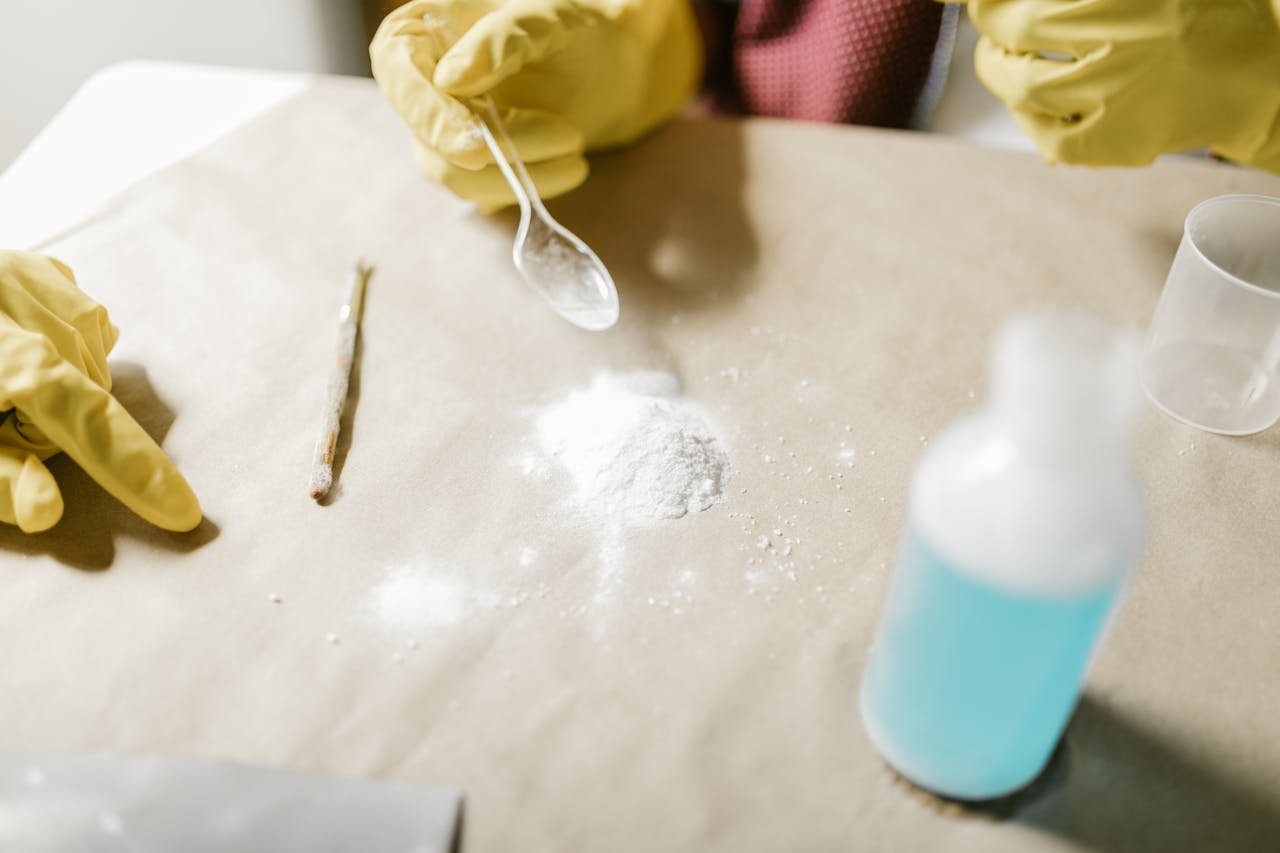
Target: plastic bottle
(1025,521)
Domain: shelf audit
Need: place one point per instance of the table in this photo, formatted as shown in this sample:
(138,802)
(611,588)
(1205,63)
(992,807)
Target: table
(451,619)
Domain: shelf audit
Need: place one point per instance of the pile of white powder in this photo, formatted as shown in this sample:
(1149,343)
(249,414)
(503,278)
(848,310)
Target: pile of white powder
(635,449)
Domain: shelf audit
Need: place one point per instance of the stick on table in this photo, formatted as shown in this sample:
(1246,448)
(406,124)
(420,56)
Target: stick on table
(339,378)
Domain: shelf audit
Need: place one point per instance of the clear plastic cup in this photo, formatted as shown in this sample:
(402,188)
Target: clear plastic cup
(1212,356)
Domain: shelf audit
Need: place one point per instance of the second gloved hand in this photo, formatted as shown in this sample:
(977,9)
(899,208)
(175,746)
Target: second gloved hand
(568,76)
(55,396)
(1118,82)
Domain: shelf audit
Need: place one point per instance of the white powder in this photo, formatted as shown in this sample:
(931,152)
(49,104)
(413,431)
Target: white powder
(635,450)
(413,598)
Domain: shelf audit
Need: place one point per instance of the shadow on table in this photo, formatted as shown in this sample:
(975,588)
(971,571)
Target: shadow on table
(92,519)
(1127,788)
(667,217)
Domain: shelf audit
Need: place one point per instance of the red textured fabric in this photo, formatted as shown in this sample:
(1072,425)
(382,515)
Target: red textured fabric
(856,61)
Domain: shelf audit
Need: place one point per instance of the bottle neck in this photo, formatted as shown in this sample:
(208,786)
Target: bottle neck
(1060,440)
(1064,387)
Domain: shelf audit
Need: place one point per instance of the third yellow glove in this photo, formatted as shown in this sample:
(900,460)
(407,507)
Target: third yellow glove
(1118,82)
(55,396)
(567,75)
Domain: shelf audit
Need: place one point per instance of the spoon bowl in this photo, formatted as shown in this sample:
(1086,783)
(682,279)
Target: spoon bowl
(553,260)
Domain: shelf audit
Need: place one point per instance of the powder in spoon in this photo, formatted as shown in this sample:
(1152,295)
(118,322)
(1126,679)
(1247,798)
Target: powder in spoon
(634,448)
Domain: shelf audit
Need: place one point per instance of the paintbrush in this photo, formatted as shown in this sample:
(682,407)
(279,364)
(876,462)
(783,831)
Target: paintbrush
(339,380)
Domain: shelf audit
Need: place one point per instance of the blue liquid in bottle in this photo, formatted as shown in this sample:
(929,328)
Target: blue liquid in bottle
(969,686)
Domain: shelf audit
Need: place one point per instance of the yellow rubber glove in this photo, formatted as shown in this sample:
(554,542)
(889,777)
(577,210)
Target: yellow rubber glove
(1139,78)
(568,76)
(55,396)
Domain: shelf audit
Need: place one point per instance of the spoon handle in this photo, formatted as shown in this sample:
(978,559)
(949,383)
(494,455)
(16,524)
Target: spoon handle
(508,159)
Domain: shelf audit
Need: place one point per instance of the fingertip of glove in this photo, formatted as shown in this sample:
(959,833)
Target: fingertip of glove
(180,509)
(187,522)
(448,70)
(41,521)
(457,75)
(436,165)
(37,501)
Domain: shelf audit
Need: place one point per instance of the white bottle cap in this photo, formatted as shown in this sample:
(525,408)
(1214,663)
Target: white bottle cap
(1066,383)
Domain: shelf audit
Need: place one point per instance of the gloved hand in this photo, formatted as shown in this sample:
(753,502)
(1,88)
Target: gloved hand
(566,76)
(1143,78)
(54,396)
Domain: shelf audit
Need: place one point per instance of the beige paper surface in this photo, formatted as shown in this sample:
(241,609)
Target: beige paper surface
(449,619)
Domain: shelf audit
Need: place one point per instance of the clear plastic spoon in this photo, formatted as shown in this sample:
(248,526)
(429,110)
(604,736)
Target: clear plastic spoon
(554,262)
